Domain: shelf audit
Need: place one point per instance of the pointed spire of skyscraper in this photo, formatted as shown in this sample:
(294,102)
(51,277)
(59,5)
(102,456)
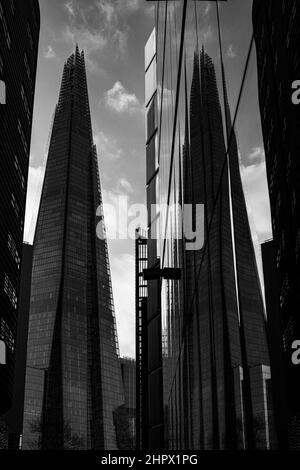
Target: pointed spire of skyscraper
(73,384)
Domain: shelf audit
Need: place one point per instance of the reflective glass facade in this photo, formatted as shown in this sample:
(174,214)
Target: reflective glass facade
(73,380)
(214,358)
(150,310)
(19,38)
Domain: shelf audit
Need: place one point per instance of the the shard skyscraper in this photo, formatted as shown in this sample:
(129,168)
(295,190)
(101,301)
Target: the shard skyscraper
(73,376)
(229,360)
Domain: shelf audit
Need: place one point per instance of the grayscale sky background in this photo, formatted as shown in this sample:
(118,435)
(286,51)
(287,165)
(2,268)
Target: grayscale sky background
(113,34)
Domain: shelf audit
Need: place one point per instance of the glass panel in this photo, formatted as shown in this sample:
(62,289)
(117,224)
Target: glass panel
(150,82)
(2,92)
(150,49)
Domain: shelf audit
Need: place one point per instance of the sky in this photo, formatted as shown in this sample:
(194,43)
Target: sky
(113,34)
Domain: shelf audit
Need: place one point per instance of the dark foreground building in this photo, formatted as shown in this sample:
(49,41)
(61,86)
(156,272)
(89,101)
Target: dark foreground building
(19,37)
(14,418)
(73,377)
(214,357)
(276,31)
(274,339)
(141,344)
(125,417)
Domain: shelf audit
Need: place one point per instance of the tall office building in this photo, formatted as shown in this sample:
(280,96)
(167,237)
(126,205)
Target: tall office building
(276,32)
(73,377)
(150,308)
(141,344)
(214,357)
(19,37)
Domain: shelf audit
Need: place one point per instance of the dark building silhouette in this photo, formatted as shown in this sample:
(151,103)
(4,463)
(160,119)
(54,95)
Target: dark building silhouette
(213,355)
(126,415)
(19,37)
(14,418)
(276,31)
(274,339)
(141,345)
(73,376)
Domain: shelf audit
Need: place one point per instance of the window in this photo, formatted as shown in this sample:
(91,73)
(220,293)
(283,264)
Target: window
(278,205)
(294,199)
(15,206)
(2,92)
(150,49)
(34,13)
(13,250)
(6,335)
(23,138)
(29,35)
(25,103)
(150,81)
(284,290)
(10,291)
(5,28)
(273,173)
(19,172)
(13,6)
(280,249)
(28,71)
(152,117)
(288,334)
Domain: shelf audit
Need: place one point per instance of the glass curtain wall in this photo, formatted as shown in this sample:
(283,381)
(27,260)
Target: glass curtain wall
(215,360)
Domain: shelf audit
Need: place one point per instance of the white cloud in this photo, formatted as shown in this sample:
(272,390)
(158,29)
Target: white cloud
(206,35)
(125,185)
(119,100)
(87,40)
(150,10)
(34,189)
(257,196)
(107,9)
(256,155)
(231,53)
(167,96)
(107,147)
(99,26)
(122,271)
(70,8)
(120,39)
(49,53)
(206,9)
(128,6)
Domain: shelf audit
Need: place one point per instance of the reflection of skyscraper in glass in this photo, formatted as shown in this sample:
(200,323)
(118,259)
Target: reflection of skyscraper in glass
(228,354)
(73,378)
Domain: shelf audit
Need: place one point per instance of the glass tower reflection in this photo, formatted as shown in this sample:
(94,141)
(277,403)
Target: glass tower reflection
(73,377)
(215,359)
